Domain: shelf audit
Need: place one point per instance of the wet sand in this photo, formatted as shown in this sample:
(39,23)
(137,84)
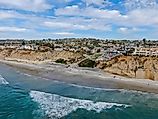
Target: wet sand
(83,76)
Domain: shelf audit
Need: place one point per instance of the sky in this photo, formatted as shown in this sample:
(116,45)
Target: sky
(106,19)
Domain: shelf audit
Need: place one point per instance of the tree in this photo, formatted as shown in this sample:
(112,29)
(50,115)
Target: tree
(98,50)
(144,41)
(50,45)
(23,43)
(137,45)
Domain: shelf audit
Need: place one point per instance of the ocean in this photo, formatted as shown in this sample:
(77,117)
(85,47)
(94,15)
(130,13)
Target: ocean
(24,96)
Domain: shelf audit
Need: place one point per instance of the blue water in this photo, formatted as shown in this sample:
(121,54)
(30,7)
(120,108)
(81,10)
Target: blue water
(30,97)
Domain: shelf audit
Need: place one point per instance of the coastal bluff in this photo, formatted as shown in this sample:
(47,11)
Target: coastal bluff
(36,56)
(132,66)
(139,67)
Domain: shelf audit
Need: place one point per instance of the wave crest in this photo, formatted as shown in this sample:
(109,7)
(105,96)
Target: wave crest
(56,106)
(3,81)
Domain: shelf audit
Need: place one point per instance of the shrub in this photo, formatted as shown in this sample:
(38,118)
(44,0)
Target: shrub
(62,61)
(87,63)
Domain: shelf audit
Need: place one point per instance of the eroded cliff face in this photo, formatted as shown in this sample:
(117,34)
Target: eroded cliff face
(132,66)
(129,66)
(70,57)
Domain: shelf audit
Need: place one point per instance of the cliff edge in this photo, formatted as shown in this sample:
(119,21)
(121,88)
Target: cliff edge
(132,66)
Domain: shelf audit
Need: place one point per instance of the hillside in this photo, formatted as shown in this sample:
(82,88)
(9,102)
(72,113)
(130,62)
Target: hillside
(132,66)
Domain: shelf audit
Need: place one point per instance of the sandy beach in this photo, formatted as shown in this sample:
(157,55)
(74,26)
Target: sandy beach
(82,76)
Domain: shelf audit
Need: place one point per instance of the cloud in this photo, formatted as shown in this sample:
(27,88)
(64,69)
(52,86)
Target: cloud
(6,14)
(140,17)
(89,12)
(136,18)
(58,24)
(99,3)
(80,17)
(123,30)
(27,5)
(64,33)
(129,30)
(12,29)
(70,24)
(139,4)
(89,18)
(66,1)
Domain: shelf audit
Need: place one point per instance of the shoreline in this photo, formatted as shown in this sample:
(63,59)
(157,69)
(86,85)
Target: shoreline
(83,76)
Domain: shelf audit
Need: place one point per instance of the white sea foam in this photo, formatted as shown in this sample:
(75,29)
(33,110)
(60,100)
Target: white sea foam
(138,92)
(120,90)
(24,73)
(3,81)
(56,106)
(86,87)
(94,88)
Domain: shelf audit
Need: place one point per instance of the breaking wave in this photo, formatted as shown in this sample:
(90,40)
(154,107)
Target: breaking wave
(3,81)
(56,106)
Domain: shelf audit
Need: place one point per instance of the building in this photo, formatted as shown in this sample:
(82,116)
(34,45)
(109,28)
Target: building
(9,42)
(146,52)
(29,47)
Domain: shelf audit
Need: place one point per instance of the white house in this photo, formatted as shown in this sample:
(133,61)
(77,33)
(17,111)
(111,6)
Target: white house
(146,51)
